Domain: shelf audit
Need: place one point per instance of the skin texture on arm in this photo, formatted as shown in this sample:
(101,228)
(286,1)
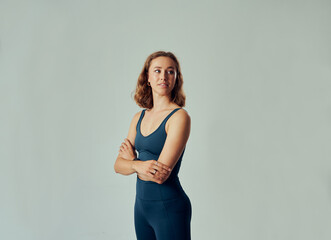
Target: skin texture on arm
(178,132)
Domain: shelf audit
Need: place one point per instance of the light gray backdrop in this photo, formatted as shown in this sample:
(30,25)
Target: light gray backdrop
(257,78)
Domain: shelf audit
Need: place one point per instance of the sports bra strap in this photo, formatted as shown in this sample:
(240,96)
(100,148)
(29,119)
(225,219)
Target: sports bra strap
(141,116)
(170,114)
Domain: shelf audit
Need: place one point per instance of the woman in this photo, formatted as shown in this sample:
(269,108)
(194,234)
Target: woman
(159,133)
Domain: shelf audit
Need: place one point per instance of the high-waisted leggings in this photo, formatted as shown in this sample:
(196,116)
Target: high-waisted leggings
(163,219)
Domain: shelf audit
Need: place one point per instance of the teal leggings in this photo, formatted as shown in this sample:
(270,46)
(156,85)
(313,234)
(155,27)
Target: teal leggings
(163,219)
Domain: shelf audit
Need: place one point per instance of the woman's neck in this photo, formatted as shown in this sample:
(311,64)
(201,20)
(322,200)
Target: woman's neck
(161,103)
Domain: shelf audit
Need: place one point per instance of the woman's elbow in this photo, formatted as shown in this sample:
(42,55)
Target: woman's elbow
(116,169)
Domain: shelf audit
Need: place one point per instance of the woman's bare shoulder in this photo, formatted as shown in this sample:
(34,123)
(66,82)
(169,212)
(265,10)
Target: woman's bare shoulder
(137,114)
(180,117)
(180,121)
(136,117)
(182,114)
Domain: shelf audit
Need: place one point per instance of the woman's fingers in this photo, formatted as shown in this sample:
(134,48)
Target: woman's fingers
(160,169)
(157,176)
(127,141)
(149,176)
(161,165)
(123,149)
(153,171)
(159,172)
(124,145)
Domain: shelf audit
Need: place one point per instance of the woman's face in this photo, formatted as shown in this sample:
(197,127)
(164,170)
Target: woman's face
(162,75)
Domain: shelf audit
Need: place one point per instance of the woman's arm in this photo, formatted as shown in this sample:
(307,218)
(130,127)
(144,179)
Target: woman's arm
(124,165)
(178,132)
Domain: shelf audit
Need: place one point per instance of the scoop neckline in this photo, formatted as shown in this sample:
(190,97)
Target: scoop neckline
(157,127)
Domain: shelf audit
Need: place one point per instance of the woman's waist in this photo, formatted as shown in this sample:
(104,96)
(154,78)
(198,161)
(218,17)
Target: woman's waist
(148,190)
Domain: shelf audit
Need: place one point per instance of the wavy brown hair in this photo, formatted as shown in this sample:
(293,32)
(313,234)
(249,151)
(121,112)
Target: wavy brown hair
(143,93)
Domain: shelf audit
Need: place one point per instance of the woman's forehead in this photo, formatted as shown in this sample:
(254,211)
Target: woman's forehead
(164,62)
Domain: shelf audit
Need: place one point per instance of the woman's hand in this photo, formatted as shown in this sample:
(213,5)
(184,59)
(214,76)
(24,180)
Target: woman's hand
(152,170)
(127,151)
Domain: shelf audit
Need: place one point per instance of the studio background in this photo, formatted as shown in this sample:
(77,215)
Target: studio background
(257,79)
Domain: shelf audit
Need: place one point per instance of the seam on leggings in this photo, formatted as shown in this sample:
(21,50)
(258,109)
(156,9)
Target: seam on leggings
(142,212)
(166,212)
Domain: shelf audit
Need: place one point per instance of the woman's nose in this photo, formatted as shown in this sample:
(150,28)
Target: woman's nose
(164,75)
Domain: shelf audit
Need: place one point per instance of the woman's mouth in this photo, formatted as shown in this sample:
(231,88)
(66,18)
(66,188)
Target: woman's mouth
(163,85)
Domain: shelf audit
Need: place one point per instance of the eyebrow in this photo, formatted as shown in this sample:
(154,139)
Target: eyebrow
(161,67)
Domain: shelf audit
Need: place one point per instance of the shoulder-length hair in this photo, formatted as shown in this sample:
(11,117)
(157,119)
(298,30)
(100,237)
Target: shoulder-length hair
(143,93)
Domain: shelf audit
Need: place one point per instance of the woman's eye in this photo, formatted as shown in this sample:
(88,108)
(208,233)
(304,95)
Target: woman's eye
(171,72)
(157,70)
